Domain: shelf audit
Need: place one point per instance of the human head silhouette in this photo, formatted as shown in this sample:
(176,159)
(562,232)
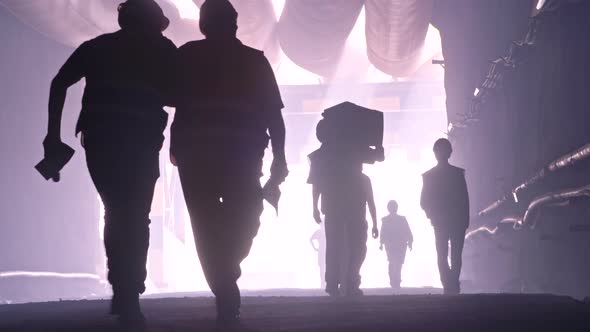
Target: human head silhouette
(442,150)
(218,18)
(392,207)
(321,131)
(142,15)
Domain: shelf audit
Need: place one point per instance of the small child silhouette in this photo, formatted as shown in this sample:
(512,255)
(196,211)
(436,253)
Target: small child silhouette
(396,236)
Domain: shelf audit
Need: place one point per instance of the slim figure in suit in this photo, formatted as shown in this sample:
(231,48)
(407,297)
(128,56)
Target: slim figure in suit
(445,200)
(396,236)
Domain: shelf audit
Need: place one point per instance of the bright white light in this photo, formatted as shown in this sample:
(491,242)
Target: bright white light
(374,75)
(399,179)
(187,9)
(354,59)
(476,92)
(540,4)
(47,274)
(100,218)
(288,73)
(450,127)
(278,6)
(282,256)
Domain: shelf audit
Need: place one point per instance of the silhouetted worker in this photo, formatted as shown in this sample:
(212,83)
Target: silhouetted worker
(229,103)
(345,193)
(445,200)
(318,242)
(396,236)
(122,120)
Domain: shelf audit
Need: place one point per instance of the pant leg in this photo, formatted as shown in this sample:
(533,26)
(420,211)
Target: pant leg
(395,273)
(442,237)
(125,177)
(457,238)
(357,243)
(396,261)
(334,250)
(242,206)
(225,215)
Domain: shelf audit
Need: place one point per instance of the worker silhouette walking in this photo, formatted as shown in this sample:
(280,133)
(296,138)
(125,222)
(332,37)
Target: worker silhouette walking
(128,82)
(229,106)
(396,236)
(445,200)
(342,193)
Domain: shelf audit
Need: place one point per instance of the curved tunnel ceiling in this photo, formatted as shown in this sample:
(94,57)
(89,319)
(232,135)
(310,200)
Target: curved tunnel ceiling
(312,33)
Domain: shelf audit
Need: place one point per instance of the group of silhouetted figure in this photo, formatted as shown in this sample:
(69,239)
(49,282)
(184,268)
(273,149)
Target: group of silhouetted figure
(228,108)
(337,178)
(395,237)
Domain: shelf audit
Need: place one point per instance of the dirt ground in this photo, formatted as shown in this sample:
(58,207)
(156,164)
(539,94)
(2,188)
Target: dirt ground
(422,312)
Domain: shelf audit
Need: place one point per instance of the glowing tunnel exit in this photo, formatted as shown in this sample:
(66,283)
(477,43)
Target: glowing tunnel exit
(282,255)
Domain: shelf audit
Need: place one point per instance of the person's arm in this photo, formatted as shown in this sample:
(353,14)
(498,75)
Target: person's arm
(277,132)
(271,99)
(465,199)
(57,98)
(315,193)
(424,197)
(70,73)
(410,235)
(372,208)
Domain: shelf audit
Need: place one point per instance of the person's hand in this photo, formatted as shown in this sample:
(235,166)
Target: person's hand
(173,159)
(375,232)
(410,246)
(272,194)
(51,145)
(380,153)
(381,247)
(317,216)
(278,171)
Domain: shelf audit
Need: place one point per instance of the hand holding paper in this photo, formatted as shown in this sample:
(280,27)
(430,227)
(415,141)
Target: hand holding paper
(57,155)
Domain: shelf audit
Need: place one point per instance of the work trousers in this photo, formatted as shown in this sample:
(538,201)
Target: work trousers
(224,200)
(396,255)
(455,237)
(125,174)
(346,249)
